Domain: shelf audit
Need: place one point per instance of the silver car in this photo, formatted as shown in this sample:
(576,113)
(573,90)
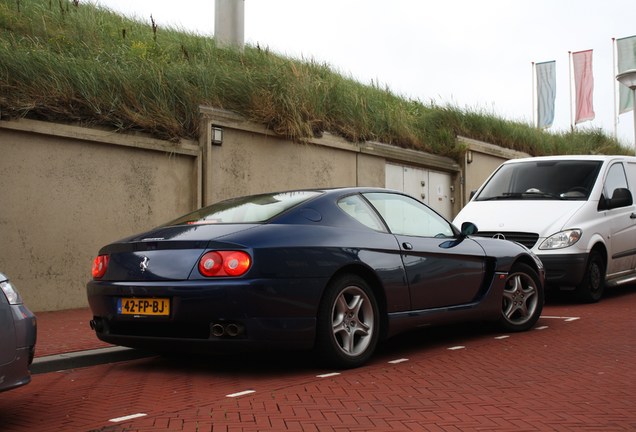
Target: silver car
(18,332)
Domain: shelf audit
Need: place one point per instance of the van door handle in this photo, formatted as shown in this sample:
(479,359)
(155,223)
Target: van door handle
(632,216)
(407,246)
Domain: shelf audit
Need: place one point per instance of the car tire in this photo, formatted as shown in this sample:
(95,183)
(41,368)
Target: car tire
(348,325)
(523,299)
(590,290)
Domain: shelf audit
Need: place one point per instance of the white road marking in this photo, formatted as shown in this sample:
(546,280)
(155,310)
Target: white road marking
(328,375)
(456,348)
(561,318)
(541,328)
(243,393)
(402,360)
(502,337)
(128,417)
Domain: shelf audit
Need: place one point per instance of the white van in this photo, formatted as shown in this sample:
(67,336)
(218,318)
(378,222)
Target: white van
(576,213)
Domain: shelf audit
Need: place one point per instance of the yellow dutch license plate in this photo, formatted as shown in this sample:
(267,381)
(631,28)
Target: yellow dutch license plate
(143,306)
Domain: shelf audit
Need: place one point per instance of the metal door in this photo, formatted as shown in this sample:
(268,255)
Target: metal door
(440,193)
(431,187)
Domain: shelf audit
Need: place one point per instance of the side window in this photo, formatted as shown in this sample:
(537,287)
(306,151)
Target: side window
(616,179)
(407,216)
(630,167)
(359,209)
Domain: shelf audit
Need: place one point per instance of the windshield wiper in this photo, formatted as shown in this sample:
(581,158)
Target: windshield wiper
(519,195)
(539,194)
(503,196)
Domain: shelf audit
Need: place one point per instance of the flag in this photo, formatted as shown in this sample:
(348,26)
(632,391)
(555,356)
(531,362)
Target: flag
(584,85)
(546,93)
(626,59)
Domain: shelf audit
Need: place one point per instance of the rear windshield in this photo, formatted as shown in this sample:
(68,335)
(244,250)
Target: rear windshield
(252,209)
(541,180)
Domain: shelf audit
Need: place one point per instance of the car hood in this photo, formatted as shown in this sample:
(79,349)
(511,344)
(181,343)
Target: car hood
(541,217)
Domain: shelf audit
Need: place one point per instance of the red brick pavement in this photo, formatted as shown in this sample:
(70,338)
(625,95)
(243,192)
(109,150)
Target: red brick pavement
(565,375)
(65,331)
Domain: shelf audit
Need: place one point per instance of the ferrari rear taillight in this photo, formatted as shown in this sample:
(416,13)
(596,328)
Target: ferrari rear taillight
(100,264)
(224,263)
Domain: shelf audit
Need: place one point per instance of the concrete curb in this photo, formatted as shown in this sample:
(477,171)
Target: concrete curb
(78,359)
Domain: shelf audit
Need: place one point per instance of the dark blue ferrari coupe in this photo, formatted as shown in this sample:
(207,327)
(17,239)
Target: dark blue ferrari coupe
(336,270)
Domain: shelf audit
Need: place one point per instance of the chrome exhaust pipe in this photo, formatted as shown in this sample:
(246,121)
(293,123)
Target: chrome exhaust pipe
(217,330)
(233,330)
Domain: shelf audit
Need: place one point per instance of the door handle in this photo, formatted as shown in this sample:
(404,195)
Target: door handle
(632,216)
(407,246)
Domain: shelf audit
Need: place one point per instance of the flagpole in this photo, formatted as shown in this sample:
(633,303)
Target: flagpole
(534,124)
(615,87)
(570,85)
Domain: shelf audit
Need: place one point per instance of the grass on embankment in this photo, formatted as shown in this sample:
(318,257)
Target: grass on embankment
(72,62)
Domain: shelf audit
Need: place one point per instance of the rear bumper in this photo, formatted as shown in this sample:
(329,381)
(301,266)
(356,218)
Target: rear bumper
(565,270)
(209,316)
(255,335)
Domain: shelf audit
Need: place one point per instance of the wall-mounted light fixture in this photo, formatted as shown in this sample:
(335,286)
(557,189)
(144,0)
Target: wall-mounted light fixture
(469,156)
(216,135)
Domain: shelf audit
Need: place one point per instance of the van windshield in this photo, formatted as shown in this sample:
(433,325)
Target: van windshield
(542,180)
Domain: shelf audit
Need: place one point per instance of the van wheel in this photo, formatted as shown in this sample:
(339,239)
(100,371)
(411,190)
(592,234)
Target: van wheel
(590,290)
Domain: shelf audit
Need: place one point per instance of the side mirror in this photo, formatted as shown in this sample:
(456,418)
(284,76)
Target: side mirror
(620,198)
(468,228)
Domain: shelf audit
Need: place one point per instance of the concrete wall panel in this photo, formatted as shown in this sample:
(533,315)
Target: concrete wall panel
(371,170)
(249,163)
(61,199)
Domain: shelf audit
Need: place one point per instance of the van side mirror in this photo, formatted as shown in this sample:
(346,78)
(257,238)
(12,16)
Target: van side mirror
(620,198)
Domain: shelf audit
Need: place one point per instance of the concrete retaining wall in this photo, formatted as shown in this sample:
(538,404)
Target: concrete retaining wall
(65,191)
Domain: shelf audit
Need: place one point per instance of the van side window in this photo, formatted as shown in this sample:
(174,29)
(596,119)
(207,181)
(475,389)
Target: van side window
(615,185)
